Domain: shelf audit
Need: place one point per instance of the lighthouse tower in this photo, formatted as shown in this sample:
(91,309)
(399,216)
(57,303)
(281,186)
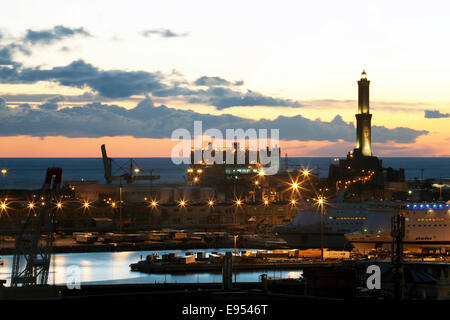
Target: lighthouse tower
(363,118)
(361,161)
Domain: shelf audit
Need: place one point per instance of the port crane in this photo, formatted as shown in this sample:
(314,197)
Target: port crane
(33,244)
(129,170)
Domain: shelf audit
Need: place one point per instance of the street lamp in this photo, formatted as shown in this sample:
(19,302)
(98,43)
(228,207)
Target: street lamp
(320,202)
(4,172)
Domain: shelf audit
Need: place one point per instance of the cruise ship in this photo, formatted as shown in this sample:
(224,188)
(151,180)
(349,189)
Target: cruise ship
(339,218)
(427,226)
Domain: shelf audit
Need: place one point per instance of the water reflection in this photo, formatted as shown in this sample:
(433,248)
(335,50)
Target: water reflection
(114,267)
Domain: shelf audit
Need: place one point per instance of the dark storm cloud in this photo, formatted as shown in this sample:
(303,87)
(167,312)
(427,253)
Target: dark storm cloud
(6,57)
(3,104)
(112,83)
(51,35)
(122,84)
(51,103)
(149,121)
(7,53)
(223,98)
(216,81)
(164,33)
(435,114)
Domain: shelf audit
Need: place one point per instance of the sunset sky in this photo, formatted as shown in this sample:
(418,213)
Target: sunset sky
(74,75)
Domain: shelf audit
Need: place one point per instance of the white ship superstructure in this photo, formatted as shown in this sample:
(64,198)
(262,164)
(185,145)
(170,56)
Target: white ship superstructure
(338,219)
(427,226)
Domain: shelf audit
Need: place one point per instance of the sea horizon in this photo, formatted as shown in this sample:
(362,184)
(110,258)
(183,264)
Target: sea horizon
(29,173)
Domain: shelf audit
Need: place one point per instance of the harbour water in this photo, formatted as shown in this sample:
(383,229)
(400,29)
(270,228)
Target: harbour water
(29,173)
(114,268)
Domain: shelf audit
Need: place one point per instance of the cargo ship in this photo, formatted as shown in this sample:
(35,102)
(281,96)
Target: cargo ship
(427,228)
(339,218)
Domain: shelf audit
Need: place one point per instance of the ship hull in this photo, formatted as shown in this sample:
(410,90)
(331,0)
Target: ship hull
(366,246)
(312,240)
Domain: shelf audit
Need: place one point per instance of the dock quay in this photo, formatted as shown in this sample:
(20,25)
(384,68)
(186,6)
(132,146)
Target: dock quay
(143,266)
(240,261)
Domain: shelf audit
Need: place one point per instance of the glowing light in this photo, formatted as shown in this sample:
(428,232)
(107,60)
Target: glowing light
(3,206)
(293,202)
(256,182)
(113,204)
(190,170)
(261,173)
(238,202)
(295,185)
(182,203)
(320,201)
(86,204)
(196,179)
(306,173)
(137,170)
(4,171)
(210,203)
(199,171)
(154,203)
(31,205)
(59,205)
(266,202)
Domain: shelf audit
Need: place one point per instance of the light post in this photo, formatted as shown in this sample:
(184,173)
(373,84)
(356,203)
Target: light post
(120,207)
(4,172)
(320,202)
